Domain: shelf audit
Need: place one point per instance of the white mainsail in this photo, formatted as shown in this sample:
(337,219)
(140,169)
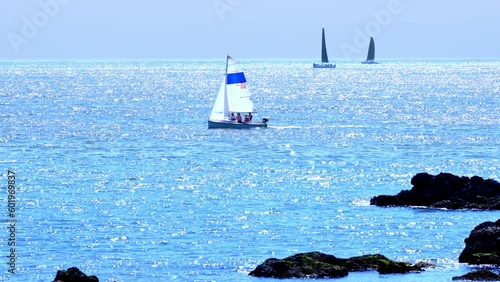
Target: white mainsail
(220,110)
(233,96)
(238,94)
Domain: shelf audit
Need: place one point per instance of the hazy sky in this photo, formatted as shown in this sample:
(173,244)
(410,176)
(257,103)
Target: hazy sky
(95,29)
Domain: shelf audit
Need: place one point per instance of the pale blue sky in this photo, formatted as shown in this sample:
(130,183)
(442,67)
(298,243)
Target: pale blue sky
(51,29)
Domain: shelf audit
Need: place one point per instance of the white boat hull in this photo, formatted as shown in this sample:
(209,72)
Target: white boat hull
(324,66)
(235,125)
(369,62)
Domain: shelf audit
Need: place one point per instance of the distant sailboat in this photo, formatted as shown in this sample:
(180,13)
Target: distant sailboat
(324,56)
(370,59)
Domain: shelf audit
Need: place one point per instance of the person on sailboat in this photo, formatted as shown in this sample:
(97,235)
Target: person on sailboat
(247,119)
(238,118)
(250,117)
(233,117)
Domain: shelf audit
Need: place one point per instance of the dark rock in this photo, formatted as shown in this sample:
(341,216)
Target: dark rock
(320,265)
(392,267)
(386,201)
(305,265)
(382,264)
(483,244)
(424,264)
(446,190)
(363,263)
(74,274)
(480,275)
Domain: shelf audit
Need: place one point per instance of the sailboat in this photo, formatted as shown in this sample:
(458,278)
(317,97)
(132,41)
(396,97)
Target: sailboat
(370,59)
(233,100)
(324,56)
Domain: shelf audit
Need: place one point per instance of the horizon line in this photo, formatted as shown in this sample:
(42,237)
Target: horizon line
(312,59)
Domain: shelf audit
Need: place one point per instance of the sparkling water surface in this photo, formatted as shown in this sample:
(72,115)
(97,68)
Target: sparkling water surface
(118,175)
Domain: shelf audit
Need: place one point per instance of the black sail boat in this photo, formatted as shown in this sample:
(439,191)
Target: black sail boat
(370,58)
(324,55)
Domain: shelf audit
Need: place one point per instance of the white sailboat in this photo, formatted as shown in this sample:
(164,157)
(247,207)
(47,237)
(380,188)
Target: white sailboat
(324,55)
(370,58)
(234,99)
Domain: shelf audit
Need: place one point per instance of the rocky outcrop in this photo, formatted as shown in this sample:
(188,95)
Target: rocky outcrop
(306,265)
(321,265)
(446,190)
(480,275)
(74,274)
(483,244)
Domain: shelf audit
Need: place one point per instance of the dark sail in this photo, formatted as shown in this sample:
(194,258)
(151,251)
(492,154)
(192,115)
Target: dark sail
(324,55)
(371,50)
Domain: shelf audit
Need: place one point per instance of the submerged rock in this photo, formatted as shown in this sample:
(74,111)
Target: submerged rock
(321,265)
(446,190)
(480,275)
(483,244)
(74,274)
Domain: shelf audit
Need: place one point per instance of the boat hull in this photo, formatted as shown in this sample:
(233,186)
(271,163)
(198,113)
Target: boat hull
(235,125)
(324,66)
(370,62)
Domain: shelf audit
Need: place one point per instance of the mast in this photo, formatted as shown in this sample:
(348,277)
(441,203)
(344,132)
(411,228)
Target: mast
(226,102)
(324,55)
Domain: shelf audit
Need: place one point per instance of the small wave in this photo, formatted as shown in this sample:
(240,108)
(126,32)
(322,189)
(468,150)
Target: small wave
(361,202)
(287,127)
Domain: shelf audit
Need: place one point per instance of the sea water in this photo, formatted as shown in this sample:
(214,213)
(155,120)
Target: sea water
(117,174)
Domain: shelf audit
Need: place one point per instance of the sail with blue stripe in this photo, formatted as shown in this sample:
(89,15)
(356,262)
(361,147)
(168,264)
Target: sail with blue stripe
(234,95)
(234,100)
(239,96)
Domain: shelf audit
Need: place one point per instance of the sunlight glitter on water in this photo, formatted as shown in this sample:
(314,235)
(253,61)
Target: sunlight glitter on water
(119,158)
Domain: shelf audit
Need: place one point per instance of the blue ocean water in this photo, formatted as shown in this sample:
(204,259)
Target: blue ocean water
(117,173)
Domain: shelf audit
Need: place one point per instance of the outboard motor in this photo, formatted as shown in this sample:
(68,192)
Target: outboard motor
(265,120)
